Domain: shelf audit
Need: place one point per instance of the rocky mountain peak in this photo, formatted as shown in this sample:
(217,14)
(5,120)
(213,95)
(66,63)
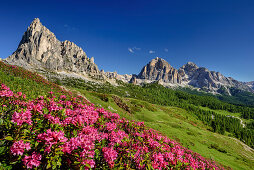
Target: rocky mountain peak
(190,66)
(35,23)
(190,63)
(159,63)
(40,49)
(159,69)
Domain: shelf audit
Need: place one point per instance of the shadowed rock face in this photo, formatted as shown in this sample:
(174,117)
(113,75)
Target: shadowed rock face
(189,74)
(40,49)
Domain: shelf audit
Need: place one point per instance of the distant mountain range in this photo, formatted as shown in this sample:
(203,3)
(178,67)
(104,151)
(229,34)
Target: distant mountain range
(39,49)
(189,74)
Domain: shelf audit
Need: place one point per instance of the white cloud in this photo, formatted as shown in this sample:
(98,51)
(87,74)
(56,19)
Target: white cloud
(136,48)
(133,49)
(151,52)
(130,50)
(166,50)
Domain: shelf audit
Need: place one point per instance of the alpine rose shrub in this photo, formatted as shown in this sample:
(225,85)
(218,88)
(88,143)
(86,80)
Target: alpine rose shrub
(68,132)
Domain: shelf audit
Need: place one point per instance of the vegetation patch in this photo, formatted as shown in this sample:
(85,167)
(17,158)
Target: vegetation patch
(103,97)
(218,148)
(121,104)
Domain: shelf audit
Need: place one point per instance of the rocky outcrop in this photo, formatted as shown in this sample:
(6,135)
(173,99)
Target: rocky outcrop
(159,69)
(40,49)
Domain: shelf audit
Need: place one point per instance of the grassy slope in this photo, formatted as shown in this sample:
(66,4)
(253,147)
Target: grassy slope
(176,123)
(171,121)
(31,88)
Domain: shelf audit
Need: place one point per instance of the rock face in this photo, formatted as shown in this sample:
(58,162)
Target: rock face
(189,74)
(40,49)
(203,78)
(250,84)
(159,69)
(113,75)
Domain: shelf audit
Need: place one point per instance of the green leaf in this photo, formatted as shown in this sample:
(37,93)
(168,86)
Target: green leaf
(26,131)
(8,138)
(97,153)
(1,121)
(36,144)
(87,165)
(75,133)
(48,166)
(59,163)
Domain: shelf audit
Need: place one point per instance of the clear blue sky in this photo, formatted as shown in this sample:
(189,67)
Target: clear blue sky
(123,35)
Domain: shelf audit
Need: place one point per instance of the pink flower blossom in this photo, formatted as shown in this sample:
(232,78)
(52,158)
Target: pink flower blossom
(22,117)
(6,91)
(89,162)
(19,147)
(19,94)
(117,137)
(110,155)
(110,126)
(62,97)
(31,161)
(52,138)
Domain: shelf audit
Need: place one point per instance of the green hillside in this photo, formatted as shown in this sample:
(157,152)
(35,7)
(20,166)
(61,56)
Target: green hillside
(157,94)
(170,118)
(178,124)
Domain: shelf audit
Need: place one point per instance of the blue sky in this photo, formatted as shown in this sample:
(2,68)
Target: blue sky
(123,35)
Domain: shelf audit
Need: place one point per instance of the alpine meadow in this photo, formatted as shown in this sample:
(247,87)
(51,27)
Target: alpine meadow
(59,109)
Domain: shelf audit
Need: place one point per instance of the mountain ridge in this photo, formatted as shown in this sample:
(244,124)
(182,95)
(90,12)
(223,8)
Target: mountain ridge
(189,74)
(39,49)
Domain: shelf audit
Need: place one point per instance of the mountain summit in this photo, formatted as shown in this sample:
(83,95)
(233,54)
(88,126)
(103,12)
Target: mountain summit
(40,49)
(160,69)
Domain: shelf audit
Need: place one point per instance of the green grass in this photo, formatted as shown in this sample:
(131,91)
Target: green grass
(177,124)
(31,88)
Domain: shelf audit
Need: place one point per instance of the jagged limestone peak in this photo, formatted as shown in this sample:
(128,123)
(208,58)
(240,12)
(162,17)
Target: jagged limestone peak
(159,69)
(40,49)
